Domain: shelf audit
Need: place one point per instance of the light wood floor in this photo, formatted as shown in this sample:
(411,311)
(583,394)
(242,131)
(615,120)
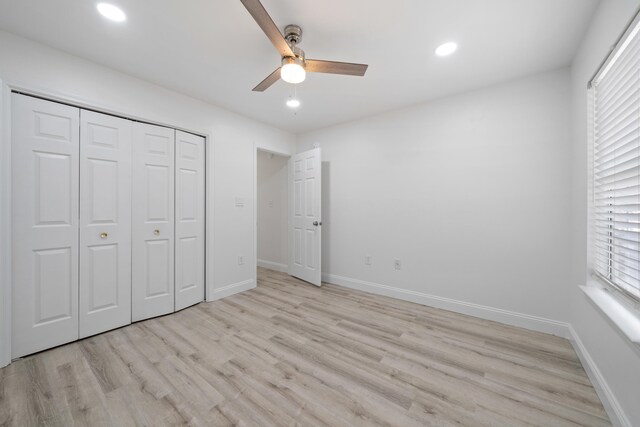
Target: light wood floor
(288,353)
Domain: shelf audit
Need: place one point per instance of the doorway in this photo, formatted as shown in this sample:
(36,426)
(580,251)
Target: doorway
(272,210)
(288,206)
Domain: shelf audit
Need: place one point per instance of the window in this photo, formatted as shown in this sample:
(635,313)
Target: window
(615,120)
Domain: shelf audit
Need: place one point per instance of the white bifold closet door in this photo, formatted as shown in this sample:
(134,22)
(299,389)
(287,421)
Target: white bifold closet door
(108,222)
(45,147)
(105,222)
(190,195)
(153,221)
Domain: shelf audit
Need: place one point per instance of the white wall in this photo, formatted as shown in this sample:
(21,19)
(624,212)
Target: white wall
(472,193)
(231,146)
(616,358)
(272,207)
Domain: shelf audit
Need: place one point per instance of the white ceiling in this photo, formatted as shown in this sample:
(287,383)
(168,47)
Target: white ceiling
(214,51)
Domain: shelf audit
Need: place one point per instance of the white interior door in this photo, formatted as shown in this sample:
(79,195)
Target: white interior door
(153,221)
(190,195)
(45,178)
(105,222)
(305,222)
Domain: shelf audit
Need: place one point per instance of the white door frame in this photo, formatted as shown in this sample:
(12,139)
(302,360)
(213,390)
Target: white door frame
(5,226)
(256,147)
(5,192)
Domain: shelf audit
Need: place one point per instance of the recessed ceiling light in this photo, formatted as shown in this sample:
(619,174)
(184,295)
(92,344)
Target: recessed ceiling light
(293,103)
(446,49)
(111,12)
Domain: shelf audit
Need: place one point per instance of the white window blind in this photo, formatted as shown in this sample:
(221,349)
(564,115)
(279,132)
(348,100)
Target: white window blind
(615,109)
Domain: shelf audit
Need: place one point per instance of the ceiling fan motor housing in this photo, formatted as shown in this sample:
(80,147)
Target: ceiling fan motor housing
(293,34)
(299,60)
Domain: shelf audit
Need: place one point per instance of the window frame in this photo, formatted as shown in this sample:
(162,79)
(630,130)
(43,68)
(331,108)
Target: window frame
(631,31)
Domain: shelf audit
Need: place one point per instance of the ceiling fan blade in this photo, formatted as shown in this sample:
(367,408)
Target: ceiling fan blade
(266,83)
(265,22)
(333,67)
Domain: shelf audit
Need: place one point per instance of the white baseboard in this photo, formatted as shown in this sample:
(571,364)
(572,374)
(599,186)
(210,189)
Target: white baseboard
(512,318)
(273,265)
(609,401)
(231,289)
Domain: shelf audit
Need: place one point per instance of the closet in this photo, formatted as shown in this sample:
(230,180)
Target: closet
(107,221)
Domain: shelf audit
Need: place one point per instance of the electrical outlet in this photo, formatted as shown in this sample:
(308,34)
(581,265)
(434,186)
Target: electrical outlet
(397,264)
(367,260)
(240,260)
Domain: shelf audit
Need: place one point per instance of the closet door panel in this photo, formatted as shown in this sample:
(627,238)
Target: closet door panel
(45,146)
(153,221)
(105,222)
(190,211)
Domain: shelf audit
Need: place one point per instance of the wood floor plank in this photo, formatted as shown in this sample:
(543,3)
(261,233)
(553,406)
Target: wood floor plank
(84,396)
(289,353)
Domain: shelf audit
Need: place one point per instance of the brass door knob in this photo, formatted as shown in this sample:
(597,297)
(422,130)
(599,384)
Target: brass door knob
(156,232)
(103,235)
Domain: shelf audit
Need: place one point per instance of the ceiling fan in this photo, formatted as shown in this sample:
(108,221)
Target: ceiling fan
(294,64)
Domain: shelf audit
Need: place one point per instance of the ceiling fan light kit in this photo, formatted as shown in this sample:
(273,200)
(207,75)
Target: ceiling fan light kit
(294,64)
(292,70)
